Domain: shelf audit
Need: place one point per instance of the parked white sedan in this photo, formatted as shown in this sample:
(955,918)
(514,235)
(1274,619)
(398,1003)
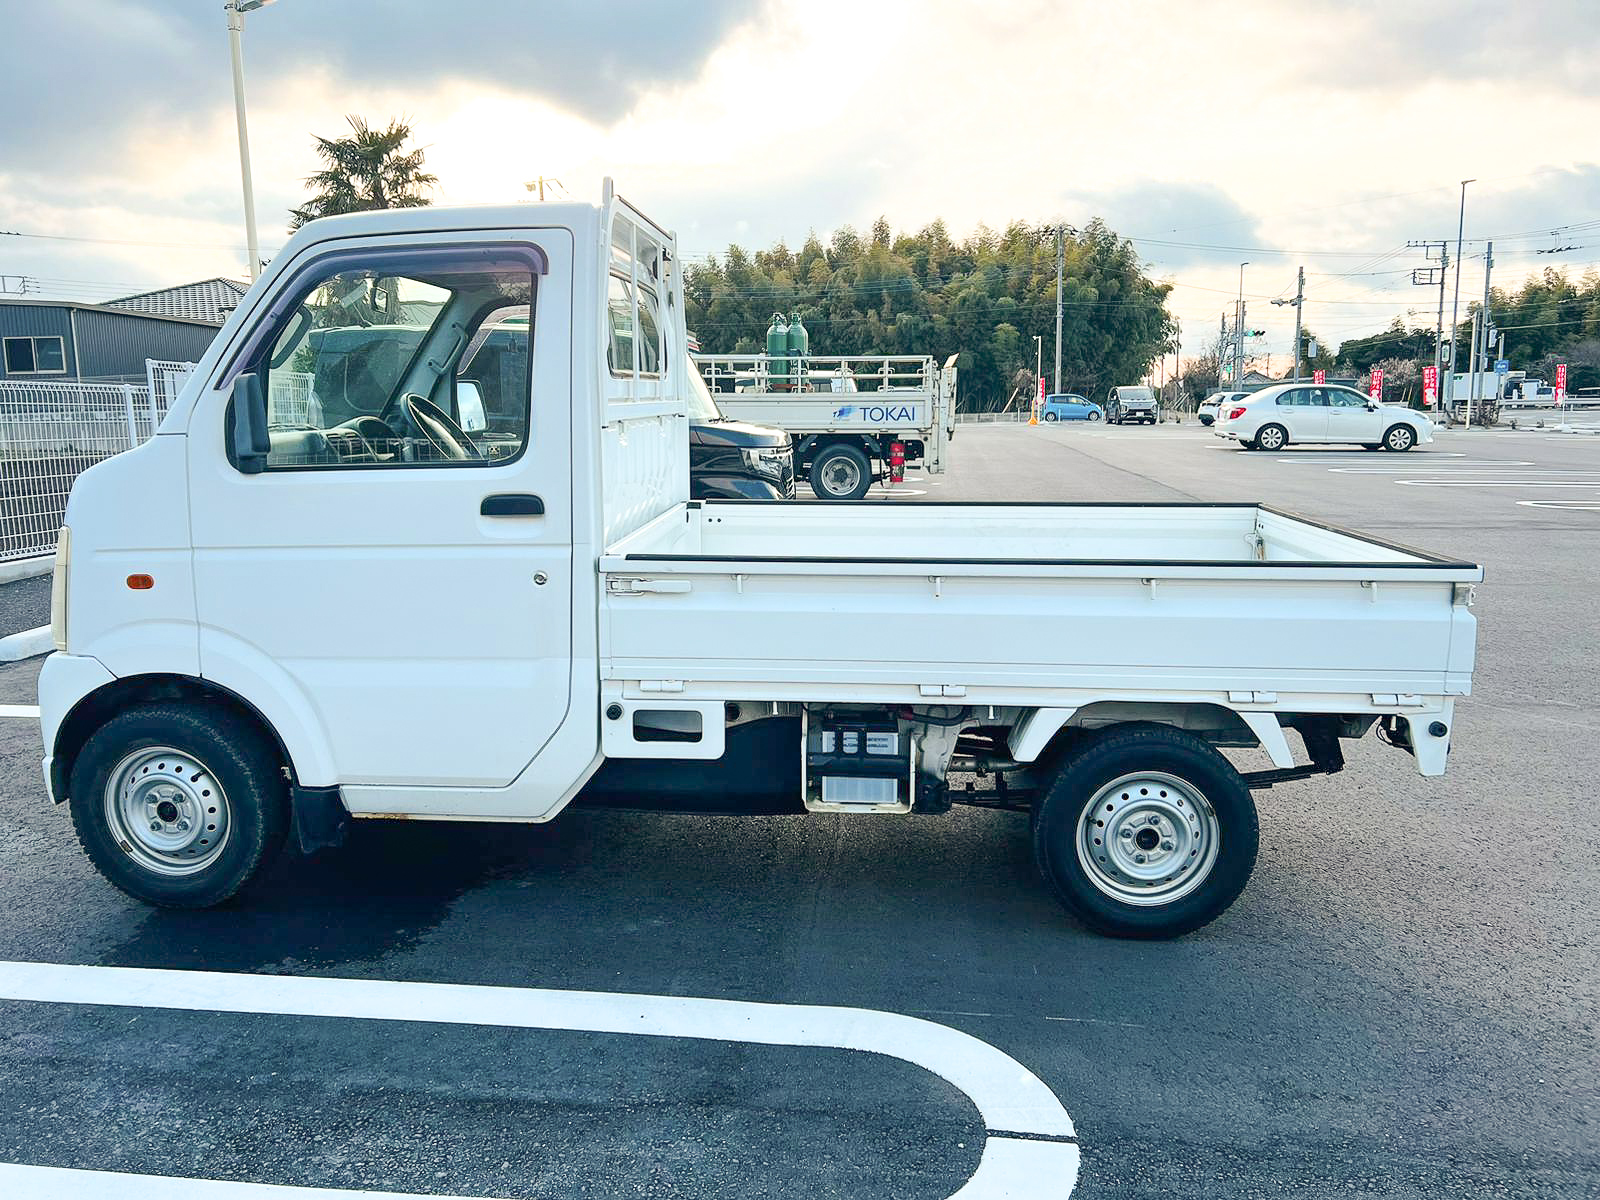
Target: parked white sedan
(1289,413)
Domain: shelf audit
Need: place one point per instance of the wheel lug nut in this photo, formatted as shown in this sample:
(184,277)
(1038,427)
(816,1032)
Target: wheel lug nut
(1166,845)
(1125,833)
(1138,858)
(155,826)
(183,827)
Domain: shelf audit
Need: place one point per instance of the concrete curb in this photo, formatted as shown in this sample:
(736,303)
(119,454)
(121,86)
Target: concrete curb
(30,643)
(26,568)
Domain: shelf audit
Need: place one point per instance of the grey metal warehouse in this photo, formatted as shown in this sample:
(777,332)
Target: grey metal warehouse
(51,341)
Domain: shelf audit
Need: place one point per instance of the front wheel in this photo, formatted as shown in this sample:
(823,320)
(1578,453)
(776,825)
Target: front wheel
(1049,416)
(1147,832)
(841,473)
(1400,438)
(179,806)
(1093,416)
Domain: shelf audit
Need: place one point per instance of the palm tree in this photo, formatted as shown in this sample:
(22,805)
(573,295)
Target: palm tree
(365,171)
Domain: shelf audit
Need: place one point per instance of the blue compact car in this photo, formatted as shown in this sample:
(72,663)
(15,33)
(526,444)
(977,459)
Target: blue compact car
(1070,408)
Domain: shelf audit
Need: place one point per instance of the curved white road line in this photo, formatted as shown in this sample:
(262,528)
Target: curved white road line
(1039,1162)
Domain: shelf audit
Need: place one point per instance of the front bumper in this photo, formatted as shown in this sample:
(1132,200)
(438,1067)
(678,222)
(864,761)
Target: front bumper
(64,680)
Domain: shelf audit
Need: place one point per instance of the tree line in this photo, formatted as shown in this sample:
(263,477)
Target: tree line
(984,297)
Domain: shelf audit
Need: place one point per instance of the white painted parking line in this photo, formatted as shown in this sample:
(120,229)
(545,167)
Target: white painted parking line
(1529,483)
(1031,1149)
(20,710)
(1564,505)
(62,1183)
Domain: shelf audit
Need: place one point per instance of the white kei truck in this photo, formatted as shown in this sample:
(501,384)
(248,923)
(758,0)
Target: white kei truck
(846,413)
(419,599)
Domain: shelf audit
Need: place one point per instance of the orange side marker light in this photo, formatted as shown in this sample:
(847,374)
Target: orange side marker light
(141,583)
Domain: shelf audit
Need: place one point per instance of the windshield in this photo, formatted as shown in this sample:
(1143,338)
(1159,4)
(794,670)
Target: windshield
(701,406)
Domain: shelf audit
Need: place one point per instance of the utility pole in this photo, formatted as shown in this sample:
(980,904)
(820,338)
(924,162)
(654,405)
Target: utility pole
(1480,331)
(1038,359)
(1299,303)
(1455,306)
(1177,359)
(537,185)
(1429,277)
(1238,333)
(1488,270)
(1061,258)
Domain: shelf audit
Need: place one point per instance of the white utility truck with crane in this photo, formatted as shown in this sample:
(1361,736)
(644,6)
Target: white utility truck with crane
(269,625)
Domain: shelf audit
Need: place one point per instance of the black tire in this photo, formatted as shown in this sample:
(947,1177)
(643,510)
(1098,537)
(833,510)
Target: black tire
(1154,754)
(1093,415)
(1206,421)
(1399,438)
(1281,432)
(248,785)
(1049,416)
(1372,445)
(849,463)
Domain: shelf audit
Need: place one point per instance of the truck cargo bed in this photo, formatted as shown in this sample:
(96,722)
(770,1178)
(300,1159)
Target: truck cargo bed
(1028,603)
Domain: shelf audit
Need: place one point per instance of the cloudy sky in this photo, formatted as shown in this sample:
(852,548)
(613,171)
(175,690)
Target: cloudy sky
(1283,132)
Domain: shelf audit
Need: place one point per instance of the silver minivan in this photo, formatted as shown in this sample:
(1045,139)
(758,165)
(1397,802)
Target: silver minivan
(1131,404)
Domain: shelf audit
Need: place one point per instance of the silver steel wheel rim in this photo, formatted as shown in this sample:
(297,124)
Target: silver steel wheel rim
(840,476)
(1399,439)
(1271,438)
(1148,838)
(167,811)
(1094,416)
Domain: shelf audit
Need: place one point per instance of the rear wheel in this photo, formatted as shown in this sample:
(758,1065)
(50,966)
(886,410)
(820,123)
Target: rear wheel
(1271,437)
(840,473)
(1147,832)
(1400,438)
(179,806)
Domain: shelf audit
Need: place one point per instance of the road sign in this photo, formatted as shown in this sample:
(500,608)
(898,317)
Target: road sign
(1319,377)
(1375,387)
(1561,384)
(1501,366)
(1430,386)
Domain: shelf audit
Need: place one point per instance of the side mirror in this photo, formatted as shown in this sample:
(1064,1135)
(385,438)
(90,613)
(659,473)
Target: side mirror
(251,444)
(469,407)
(1372,405)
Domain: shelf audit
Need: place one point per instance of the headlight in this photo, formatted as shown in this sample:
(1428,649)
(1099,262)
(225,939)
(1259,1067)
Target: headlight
(58,590)
(768,463)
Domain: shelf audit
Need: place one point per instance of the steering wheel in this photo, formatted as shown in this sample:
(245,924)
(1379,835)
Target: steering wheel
(435,425)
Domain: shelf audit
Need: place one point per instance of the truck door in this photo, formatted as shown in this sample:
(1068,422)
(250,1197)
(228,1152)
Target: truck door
(402,567)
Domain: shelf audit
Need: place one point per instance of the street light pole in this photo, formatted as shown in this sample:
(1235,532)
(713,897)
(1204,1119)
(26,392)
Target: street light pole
(1038,359)
(236,10)
(1455,306)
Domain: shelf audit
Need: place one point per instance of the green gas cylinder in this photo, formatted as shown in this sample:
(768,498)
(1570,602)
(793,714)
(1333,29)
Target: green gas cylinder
(799,346)
(778,353)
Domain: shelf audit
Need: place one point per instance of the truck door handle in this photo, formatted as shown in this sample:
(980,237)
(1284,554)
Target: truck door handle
(511,504)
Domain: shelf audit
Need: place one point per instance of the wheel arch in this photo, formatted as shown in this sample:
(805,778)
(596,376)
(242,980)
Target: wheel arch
(1045,733)
(100,705)
(814,444)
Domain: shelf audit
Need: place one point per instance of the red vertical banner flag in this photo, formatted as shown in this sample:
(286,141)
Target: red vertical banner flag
(1041,389)
(1375,386)
(1561,384)
(1430,386)
(1319,377)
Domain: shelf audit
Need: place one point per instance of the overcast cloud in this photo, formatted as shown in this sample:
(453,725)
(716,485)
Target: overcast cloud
(1282,133)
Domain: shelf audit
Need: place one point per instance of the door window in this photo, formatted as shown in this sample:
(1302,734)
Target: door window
(415,359)
(1346,400)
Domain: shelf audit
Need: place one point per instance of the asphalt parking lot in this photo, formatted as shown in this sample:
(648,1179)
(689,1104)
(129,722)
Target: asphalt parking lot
(1403,1004)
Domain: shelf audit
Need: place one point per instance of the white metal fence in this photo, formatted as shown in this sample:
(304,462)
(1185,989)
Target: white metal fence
(52,432)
